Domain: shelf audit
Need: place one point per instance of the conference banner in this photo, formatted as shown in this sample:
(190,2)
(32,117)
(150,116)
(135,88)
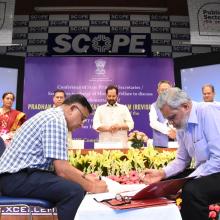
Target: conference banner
(204,18)
(136,78)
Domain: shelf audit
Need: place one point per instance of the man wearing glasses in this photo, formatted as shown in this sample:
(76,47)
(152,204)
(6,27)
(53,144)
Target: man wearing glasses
(198,135)
(36,163)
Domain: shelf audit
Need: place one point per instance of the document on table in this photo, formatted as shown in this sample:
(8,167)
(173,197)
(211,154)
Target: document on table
(142,191)
(132,191)
(116,188)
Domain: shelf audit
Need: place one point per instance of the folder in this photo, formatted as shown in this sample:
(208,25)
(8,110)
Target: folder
(161,189)
(134,204)
(152,195)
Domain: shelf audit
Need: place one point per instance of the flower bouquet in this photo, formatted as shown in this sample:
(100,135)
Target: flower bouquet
(214,211)
(137,139)
(131,178)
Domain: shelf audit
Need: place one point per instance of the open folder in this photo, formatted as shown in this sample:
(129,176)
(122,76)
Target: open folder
(161,189)
(152,195)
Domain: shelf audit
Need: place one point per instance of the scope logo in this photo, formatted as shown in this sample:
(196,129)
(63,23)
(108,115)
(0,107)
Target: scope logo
(93,44)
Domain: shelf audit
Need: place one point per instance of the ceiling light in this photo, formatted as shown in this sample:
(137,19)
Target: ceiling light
(100,9)
(9,45)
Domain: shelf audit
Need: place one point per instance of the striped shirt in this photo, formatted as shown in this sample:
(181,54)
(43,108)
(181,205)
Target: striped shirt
(39,141)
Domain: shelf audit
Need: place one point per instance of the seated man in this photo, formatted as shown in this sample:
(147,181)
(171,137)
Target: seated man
(36,163)
(112,120)
(2,146)
(198,135)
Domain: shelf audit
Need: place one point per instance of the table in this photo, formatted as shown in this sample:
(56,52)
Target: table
(92,210)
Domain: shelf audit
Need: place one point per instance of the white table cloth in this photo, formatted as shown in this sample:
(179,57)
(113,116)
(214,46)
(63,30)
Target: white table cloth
(92,210)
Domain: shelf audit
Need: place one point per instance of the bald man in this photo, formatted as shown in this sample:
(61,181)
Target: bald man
(208,92)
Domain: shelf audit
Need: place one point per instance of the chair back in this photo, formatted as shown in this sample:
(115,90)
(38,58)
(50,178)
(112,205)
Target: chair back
(7,201)
(2,146)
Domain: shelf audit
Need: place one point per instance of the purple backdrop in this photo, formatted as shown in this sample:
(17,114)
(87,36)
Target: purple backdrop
(136,78)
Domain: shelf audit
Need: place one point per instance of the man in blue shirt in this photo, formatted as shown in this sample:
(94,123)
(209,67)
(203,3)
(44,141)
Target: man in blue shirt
(36,164)
(198,136)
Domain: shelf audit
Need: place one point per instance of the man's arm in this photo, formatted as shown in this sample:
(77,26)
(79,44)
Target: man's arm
(155,124)
(127,124)
(181,161)
(206,143)
(88,182)
(54,138)
(128,121)
(97,125)
(178,165)
(153,176)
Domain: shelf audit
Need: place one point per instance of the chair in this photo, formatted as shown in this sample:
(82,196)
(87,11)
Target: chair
(2,146)
(8,201)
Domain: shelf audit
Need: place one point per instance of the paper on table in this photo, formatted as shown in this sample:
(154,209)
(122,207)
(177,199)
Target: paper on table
(115,187)
(141,191)
(110,200)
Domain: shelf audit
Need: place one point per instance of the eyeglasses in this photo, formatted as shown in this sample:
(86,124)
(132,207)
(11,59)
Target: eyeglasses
(119,200)
(171,118)
(83,117)
(125,199)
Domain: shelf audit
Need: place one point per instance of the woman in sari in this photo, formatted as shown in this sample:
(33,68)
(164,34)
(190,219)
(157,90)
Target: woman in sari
(10,119)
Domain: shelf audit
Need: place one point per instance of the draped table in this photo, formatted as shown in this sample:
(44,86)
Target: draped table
(92,210)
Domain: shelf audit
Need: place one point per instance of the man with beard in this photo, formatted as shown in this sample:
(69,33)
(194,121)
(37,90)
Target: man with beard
(198,136)
(112,120)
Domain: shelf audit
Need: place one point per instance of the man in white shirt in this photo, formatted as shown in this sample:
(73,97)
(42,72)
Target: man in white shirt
(162,131)
(112,120)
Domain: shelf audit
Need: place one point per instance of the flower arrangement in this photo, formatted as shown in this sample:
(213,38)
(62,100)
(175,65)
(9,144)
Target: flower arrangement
(132,177)
(137,139)
(124,167)
(179,202)
(214,211)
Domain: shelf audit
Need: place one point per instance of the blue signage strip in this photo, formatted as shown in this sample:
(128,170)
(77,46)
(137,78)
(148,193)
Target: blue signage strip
(18,210)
